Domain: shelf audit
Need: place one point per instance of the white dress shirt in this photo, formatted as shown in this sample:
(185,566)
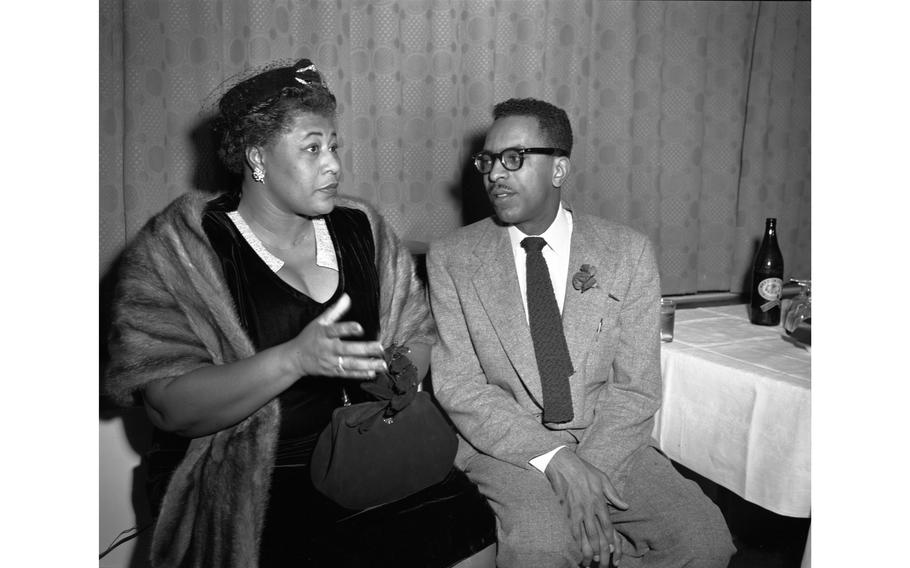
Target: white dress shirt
(556,252)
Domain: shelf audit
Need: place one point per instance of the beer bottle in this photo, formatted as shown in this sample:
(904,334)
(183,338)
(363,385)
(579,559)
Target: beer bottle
(767,278)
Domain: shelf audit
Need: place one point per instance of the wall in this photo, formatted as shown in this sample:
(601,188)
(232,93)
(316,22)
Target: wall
(122,506)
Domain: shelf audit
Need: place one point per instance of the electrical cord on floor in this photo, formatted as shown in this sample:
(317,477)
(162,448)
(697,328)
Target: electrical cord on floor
(124,536)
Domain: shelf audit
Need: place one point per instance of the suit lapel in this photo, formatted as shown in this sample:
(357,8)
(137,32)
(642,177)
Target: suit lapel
(497,287)
(583,312)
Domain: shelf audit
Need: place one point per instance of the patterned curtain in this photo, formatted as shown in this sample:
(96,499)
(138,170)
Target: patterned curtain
(692,119)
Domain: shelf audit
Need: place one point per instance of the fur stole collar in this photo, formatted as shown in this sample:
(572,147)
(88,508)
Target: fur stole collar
(173,313)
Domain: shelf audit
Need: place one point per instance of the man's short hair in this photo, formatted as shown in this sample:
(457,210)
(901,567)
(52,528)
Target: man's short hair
(553,121)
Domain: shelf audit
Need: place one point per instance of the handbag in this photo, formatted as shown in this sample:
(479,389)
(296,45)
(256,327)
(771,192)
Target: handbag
(377,452)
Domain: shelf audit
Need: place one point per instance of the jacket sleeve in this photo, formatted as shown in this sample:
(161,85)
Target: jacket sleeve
(624,413)
(487,416)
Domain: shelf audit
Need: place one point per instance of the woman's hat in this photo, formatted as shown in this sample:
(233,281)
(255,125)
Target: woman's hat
(245,95)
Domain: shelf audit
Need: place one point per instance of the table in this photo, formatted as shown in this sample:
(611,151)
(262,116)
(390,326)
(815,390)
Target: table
(736,407)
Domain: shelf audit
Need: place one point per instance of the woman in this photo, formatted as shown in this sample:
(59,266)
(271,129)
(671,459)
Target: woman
(239,323)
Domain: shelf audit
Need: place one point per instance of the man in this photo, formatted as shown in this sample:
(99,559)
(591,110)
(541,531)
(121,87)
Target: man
(556,412)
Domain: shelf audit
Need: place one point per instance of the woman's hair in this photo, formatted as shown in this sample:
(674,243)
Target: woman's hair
(258,108)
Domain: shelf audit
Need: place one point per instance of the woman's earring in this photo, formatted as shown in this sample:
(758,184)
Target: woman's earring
(258,175)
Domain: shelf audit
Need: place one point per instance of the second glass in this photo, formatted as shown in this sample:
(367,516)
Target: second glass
(667,319)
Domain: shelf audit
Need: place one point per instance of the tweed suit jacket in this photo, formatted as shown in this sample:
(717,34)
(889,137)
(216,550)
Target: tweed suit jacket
(484,370)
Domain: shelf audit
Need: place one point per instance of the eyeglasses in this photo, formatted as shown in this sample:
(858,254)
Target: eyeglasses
(510,158)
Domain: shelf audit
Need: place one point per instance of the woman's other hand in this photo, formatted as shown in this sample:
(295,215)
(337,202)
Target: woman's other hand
(321,348)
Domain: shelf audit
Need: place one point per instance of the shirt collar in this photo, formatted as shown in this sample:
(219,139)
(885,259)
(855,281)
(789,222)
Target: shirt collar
(558,235)
(325,250)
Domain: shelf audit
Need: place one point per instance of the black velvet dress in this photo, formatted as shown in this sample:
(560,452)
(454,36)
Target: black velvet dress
(436,527)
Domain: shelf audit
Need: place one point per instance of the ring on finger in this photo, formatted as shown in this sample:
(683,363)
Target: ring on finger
(340,364)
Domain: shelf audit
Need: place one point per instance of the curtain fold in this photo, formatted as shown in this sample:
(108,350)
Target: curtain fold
(691,119)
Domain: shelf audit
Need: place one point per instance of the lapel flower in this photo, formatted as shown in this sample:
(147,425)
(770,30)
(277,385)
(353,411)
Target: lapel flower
(584,279)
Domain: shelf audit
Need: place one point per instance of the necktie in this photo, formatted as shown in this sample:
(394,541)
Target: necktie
(550,349)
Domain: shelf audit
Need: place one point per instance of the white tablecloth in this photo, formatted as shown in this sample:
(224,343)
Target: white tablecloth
(736,407)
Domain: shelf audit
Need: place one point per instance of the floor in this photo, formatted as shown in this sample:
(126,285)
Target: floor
(763,539)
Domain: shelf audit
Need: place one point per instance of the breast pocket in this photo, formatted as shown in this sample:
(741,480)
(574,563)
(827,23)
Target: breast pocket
(600,355)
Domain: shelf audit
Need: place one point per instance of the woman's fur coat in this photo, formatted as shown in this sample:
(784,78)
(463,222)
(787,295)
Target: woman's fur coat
(173,313)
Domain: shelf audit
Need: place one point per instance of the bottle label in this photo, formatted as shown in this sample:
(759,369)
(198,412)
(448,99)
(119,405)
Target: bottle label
(770,289)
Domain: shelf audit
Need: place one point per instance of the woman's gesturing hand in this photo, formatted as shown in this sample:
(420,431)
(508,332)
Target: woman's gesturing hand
(320,350)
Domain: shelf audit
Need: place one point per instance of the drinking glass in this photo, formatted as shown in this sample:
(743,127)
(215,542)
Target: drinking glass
(667,319)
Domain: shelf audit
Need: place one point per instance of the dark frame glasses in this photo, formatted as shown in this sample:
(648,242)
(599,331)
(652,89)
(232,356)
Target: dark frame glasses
(511,158)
